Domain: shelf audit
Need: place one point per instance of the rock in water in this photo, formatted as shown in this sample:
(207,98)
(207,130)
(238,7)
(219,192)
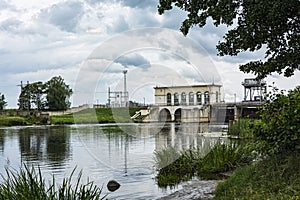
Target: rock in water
(113,185)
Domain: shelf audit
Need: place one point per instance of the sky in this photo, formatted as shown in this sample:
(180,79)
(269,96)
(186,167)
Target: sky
(90,42)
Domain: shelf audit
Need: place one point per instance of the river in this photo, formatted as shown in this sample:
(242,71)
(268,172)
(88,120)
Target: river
(123,152)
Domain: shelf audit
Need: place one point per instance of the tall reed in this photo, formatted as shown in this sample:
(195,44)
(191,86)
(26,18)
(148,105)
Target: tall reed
(192,162)
(30,184)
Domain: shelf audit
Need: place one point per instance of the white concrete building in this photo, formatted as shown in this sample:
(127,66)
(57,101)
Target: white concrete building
(187,95)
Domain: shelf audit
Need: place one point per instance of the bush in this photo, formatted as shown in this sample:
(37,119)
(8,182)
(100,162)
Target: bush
(279,129)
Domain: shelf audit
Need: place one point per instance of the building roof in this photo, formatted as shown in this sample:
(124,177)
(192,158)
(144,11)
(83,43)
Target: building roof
(188,86)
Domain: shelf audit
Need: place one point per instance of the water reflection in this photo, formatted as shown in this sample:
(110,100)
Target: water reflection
(46,144)
(122,152)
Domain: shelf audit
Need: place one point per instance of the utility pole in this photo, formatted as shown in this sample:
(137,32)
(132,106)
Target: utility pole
(125,89)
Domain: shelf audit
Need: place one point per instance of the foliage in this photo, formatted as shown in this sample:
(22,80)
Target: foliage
(221,158)
(32,96)
(57,94)
(272,26)
(29,184)
(52,95)
(276,177)
(279,128)
(3,103)
(243,128)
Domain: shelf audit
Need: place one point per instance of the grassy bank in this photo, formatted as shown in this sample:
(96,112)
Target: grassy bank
(276,177)
(13,121)
(98,115)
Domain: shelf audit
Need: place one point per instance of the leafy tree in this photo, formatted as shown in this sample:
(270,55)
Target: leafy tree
(57,94)
(273,26)
(3,103)
(32,96)
(25,98)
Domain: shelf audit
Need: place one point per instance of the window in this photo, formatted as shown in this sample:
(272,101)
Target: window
(217,97)
(169,99)
(199,98)
(176,99)
(206,97)
(183,98)
(191,98)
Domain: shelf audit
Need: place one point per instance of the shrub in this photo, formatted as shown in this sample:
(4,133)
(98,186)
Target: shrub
(279,129)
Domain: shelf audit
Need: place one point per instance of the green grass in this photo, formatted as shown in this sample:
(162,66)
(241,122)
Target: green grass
(12,121)
(276,177)
(221,158)
(29,184)
(98,115)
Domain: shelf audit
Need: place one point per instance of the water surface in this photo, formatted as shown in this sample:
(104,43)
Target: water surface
(123,152)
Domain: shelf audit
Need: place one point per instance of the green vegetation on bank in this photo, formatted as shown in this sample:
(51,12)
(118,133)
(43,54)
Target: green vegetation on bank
(98,115)
(29,184)
(276,177)
(177,167)
(12,121)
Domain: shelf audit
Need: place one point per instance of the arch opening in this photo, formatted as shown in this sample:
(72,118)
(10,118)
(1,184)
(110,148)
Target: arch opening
(178,115)
(165,115)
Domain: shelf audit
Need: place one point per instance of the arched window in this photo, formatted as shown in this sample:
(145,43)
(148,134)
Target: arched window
(217,97)
(183,98)
(169,97)
(176,99)
(206,97)
(191,98)
(199,98)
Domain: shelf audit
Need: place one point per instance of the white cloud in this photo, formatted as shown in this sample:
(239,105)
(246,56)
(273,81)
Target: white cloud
(65,15)
(39,39)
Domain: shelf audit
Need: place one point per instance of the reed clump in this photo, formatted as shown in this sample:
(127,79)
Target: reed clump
(29,183)
(221,158)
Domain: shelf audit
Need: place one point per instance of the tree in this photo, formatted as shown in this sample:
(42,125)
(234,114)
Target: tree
(25,98)
(3,103)
(254,25)
(32,96)
(57,94)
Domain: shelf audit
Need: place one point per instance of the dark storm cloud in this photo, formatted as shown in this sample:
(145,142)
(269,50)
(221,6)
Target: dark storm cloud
(65,15)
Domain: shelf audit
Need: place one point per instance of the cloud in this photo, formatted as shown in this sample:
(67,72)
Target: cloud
(134,59)
(65,15)
(142,4)
(10,25)
(6,5)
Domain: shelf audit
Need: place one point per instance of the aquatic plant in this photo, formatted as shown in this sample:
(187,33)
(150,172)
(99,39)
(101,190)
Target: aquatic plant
(192,162)
(30,184)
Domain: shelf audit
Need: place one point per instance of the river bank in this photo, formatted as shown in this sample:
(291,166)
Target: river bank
(98,115)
